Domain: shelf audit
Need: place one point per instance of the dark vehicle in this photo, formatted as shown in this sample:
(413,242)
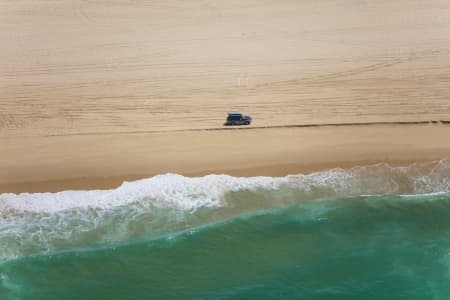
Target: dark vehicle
(236,118)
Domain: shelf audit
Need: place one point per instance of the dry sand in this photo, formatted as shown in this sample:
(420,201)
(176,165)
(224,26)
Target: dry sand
(119,89)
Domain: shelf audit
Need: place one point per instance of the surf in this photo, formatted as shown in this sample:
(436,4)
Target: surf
(32,224)
(339,247)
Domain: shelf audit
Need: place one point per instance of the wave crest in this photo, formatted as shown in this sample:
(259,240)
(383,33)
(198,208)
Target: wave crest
(36,223)
(172,190)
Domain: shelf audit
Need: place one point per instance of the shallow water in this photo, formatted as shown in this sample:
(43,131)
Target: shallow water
(366,233)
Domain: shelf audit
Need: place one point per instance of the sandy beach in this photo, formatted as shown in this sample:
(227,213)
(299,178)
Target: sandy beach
(119,180)
(95,93)
(105,161)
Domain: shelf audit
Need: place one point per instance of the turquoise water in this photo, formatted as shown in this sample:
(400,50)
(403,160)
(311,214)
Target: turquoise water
(303,237)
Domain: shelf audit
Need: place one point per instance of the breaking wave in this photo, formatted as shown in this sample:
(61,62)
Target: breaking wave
(47,222)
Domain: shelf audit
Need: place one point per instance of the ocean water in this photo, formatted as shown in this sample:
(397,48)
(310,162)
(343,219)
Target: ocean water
(371,232)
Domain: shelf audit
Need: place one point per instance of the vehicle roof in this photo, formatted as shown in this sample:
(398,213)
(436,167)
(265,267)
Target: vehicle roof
(235,113)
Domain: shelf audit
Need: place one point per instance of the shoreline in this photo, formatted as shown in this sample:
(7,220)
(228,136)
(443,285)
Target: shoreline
(103,162)
(107,183)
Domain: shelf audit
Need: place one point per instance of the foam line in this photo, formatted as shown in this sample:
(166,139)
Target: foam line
(172,190)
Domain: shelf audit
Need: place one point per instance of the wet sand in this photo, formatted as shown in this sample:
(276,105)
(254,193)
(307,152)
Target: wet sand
(104,161)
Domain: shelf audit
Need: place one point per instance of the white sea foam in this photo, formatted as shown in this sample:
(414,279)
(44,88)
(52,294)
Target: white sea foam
(40,222)
(168,190)
(176,191)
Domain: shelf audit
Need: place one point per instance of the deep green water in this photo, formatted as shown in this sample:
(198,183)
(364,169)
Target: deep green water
(297,239)
(356,248)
